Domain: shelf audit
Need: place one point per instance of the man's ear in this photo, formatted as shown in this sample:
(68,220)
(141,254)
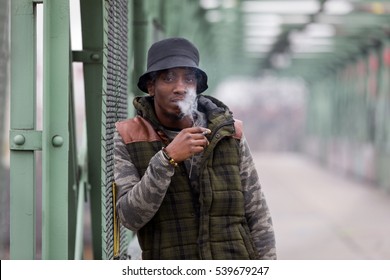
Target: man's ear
(150,87)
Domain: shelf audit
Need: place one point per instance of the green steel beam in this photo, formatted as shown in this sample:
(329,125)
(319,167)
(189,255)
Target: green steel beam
(142,40)
(56,140)
(92,34)
(88,56)
(22,171)
(382,133)
(4,93)
(25,139)
(73,168)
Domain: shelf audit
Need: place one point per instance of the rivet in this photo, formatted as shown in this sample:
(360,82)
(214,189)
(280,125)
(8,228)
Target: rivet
(57,141)
(19,139)
(95,56)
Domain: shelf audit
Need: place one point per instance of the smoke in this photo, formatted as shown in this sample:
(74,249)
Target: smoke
(188,105)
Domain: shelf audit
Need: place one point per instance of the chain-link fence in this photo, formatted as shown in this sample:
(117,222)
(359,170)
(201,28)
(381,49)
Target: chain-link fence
(114,108)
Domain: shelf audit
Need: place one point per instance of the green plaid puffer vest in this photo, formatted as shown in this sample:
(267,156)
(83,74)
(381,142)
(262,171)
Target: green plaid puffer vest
(210,224)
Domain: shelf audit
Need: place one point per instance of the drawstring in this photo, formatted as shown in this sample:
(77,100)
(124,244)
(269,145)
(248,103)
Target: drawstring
(192,162)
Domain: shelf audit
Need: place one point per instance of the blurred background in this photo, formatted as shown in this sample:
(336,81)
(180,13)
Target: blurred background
(310,79)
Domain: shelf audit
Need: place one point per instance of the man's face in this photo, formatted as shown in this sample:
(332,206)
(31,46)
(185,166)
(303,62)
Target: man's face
(170,87)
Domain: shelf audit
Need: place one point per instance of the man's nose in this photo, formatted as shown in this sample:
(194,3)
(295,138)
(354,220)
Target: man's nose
(180,86)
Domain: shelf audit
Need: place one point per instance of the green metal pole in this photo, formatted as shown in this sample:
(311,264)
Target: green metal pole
(141,42)
(73,169)
(4,90)
(382,132)
(79,244)
(56,90)
(92,33)
(22,168)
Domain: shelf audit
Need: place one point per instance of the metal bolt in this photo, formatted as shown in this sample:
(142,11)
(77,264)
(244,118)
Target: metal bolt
(95,56)
(19,139)
(57,141)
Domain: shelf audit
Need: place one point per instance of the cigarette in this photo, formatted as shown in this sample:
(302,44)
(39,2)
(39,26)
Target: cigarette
(208,131)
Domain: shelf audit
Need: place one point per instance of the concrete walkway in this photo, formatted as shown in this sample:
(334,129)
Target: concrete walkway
(320,215)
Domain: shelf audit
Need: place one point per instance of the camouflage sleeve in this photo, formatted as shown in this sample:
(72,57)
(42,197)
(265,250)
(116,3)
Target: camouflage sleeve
(256,209)
(139,198)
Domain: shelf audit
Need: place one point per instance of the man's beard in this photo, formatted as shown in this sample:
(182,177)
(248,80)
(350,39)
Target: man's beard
(177,116)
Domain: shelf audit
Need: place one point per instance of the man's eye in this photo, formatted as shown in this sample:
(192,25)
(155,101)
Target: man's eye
(169,78)
(190,79)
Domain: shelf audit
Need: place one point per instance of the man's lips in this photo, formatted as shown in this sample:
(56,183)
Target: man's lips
(175,100)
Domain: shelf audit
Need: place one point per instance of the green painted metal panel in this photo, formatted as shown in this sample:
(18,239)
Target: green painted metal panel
(22,162)
(56,138)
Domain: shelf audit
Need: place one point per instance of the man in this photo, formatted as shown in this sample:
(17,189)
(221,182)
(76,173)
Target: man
(186,179)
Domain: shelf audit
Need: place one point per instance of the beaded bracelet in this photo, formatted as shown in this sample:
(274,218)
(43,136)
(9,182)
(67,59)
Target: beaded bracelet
(170,160)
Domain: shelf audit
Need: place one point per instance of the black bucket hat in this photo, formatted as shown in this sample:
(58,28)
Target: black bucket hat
(171,53)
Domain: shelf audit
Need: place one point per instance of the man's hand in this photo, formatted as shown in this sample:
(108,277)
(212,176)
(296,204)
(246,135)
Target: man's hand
(188,142)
